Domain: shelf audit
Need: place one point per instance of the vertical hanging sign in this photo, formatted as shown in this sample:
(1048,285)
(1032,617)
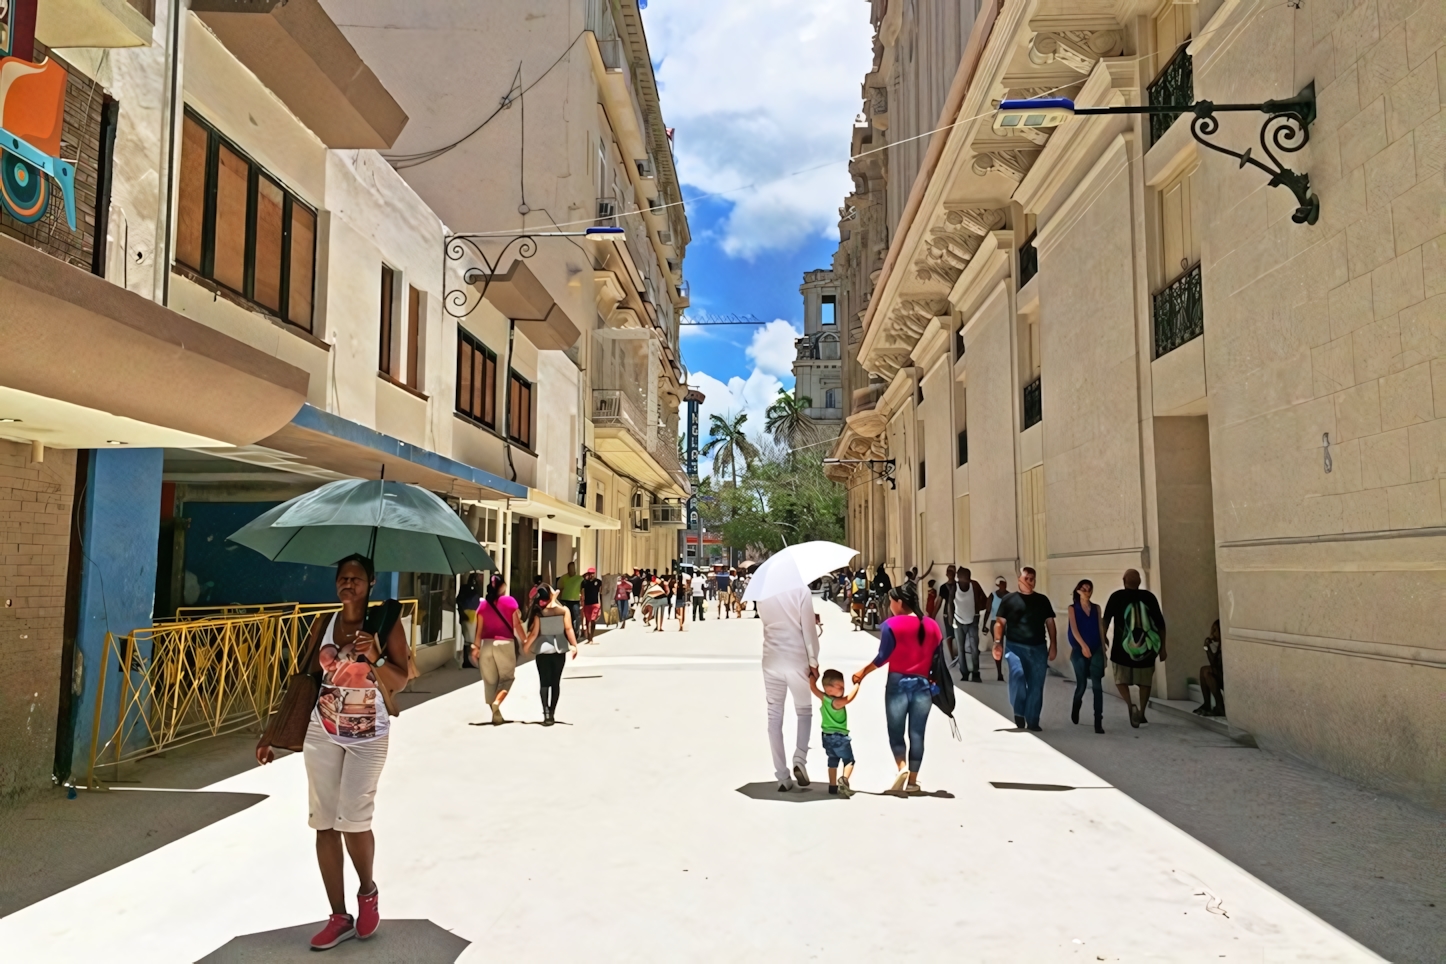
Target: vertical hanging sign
(693,399)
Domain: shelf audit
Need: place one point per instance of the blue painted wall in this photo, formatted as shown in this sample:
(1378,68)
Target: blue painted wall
(222,573)
(120,523)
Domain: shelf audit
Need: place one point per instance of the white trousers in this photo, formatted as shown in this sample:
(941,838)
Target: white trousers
(778,682)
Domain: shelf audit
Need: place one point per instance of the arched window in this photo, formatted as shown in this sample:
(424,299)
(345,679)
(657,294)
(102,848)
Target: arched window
(828,348)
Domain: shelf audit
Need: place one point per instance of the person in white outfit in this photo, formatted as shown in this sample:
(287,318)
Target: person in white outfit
(790,662)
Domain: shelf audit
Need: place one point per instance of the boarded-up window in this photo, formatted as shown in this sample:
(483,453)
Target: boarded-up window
(519,410)
(385,358)
(414,338)
(237,226)
(476,380)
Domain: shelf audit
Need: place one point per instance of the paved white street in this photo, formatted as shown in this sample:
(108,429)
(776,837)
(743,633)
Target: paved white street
(623,836)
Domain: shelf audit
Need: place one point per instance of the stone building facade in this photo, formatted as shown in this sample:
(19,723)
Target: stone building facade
(1104,345)
(818,355)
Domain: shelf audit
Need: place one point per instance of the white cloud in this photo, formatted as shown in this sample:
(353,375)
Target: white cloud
(757,90)
(772,348)
(750,396)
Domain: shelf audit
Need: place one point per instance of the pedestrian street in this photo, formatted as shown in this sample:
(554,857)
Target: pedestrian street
(646,826)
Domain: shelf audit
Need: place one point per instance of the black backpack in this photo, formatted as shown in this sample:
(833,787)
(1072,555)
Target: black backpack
(941,685)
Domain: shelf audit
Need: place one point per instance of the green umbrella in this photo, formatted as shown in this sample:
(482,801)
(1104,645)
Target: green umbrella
(401,527)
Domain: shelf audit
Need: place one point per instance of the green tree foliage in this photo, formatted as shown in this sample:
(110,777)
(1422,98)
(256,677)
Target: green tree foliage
(728,443)
(788,420)
(780,499)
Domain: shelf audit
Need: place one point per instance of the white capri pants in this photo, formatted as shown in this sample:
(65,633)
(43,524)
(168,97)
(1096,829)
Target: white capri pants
(341,781)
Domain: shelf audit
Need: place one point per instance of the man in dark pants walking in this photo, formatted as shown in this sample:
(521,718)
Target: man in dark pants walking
(1026,617)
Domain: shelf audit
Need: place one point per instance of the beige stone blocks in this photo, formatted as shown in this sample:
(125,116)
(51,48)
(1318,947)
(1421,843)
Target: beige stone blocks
(1386,460)
(1412,99)
(1419,214)
(1406,398)
(1375,349)
(1364,135)
(1358,411)
(1397,284)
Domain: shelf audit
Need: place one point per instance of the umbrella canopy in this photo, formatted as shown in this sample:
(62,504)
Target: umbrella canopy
(401,527)
(794,567)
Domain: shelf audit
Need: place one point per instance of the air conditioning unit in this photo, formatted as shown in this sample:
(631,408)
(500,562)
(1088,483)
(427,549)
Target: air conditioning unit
(607,211)
(641,520)
(646,168)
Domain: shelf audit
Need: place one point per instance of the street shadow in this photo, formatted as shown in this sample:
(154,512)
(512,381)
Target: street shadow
(519,722)
(901,795)
(768,790)
(50,843)
(395,942)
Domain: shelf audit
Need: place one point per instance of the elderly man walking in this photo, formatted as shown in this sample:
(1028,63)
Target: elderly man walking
(790,663)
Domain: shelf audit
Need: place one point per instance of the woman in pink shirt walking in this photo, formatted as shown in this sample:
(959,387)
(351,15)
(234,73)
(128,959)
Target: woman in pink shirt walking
(906,643)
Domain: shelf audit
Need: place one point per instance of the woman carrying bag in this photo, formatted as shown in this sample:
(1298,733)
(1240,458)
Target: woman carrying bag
(353,662)
(496,651)
(550,635)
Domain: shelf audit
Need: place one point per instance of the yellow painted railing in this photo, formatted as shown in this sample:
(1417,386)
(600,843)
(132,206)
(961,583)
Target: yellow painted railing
(193,678)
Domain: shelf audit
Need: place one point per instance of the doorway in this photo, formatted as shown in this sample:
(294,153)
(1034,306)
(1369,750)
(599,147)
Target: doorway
(1186,515)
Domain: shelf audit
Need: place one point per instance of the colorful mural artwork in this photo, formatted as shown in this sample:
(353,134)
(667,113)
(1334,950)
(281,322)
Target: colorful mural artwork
(32,109)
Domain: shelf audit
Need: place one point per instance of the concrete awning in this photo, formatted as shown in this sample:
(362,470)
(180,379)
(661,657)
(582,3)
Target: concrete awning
(301,55)
(91,364)
(520,296)
(336,444)
(554,515)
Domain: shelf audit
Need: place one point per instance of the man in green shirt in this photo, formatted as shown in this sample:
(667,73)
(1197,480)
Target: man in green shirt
(836,742)
(569,592)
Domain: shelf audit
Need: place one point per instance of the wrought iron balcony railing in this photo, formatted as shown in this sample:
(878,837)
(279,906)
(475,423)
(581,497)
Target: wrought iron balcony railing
(1179,312)
(1174,87)
(1033,405)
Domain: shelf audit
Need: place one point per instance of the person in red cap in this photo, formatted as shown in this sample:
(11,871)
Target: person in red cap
(591,601)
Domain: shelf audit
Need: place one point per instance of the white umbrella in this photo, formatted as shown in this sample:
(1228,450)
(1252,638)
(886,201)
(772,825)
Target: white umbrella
(794,567)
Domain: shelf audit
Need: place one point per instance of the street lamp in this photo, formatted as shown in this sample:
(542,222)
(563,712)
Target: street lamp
(883,469)
(1286,128)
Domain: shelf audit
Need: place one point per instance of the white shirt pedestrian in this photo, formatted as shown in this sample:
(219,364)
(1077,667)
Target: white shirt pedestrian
(790,654)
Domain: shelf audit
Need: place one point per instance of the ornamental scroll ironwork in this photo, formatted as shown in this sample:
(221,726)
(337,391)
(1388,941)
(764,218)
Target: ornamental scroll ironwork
(455,300)
(1286,128)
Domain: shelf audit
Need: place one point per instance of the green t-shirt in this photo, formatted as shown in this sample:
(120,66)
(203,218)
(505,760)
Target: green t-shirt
(834,720)
(569,588)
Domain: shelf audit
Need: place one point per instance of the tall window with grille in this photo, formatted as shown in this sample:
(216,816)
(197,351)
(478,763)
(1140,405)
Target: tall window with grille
(1174,83)
(1028,262)
(476,380)
(1031,410)
(1177,310)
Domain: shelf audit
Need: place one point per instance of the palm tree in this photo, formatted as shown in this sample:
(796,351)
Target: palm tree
(730,441)
(788,420)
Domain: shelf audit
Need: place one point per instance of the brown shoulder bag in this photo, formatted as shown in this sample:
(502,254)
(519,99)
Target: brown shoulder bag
(287,727)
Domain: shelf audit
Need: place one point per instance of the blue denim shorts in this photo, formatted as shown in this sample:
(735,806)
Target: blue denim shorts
(839,749)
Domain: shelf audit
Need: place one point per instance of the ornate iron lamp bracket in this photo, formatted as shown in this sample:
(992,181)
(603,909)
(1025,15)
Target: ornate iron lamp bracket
(455,300)
(1286,128)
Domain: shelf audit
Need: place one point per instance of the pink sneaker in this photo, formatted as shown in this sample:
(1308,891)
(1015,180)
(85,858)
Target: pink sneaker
(367,915)
(339,927)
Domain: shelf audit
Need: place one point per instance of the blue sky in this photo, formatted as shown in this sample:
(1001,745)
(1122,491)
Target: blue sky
(757,92)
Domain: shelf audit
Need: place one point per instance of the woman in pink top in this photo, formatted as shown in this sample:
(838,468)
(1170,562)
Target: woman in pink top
(495,651)
(906,642)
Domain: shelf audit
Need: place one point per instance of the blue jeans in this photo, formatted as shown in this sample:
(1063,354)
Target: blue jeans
(966,639)
(623,606)
(574,606)
(1028,665)
(1089,671)
(907,697)
(840,749)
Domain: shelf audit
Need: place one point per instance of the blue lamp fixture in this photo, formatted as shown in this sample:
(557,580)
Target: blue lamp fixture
(1286,129)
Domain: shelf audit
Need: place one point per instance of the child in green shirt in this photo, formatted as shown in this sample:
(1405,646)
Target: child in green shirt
(836,729)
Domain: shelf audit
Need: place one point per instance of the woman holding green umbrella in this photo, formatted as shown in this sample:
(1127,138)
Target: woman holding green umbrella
(346,743)
(403,528)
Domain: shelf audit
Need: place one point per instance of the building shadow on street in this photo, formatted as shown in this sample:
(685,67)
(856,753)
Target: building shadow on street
(50,843)
(395,942)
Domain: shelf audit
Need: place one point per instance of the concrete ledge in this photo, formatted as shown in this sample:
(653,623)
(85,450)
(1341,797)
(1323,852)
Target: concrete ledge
(1185,710)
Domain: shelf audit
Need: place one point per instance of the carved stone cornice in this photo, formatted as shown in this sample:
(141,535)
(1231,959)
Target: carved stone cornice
(952,243)
(1077,44)
(1013,164)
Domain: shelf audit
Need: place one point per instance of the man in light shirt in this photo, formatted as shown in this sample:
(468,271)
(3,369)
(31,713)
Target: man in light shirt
(790,663)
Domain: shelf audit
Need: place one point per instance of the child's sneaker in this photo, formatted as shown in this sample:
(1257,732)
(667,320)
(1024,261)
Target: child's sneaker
(843,788)
(339,927)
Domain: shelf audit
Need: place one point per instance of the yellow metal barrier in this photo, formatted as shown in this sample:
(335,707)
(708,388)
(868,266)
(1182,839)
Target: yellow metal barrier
(190,679)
